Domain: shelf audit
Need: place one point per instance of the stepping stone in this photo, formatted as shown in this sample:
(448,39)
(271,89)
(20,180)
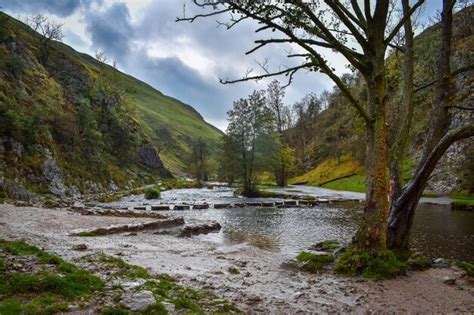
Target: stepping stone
(239,205)
(290,202)
(254,204)
(323,200)
(268,204)
(182,207)
(139,208)
(203,206)
(160,207)
(221,205)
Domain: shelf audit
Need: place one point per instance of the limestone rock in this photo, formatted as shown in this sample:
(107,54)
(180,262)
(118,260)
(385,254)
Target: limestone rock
(138,301)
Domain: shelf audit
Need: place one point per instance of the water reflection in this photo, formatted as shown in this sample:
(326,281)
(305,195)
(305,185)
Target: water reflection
(437,231)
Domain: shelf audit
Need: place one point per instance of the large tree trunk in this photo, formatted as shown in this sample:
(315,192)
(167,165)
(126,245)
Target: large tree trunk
(402,209)
(371,235)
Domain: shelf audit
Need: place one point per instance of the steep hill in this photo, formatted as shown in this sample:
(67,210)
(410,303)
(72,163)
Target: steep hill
(334,156)
(71,124)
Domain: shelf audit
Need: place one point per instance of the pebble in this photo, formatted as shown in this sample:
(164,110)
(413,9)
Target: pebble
(449,280)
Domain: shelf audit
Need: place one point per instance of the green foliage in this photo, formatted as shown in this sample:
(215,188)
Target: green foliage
(381,266)
(124,269)
(467,266)
(42,292)
(419,262)
(462,204)
(314,262)
(326,245)
(152,193)
(353,183)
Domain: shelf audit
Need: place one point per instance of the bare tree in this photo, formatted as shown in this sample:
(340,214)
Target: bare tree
(362,33)
(48,31)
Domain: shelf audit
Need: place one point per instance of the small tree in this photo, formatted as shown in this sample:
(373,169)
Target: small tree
(199,159)
(48,31)
(250,122)
(275,94)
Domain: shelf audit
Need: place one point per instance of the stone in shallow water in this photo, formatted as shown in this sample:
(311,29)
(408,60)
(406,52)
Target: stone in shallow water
(138,301)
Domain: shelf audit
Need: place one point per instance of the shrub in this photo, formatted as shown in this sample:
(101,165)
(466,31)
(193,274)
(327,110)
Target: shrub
(382,266)
(152,193)
(313,262)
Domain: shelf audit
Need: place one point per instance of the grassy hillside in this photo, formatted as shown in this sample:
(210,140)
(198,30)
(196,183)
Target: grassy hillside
(70,124)
(170,123)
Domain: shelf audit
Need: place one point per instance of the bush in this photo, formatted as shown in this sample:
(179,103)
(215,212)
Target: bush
(314,262)
(152,193)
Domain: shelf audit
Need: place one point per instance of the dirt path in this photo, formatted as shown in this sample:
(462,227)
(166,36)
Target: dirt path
(261,286)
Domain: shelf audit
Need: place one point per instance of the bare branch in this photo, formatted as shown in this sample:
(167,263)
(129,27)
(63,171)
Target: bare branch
(453,74)
(402,21)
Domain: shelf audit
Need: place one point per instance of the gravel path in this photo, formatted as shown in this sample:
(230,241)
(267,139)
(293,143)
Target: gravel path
(262,286)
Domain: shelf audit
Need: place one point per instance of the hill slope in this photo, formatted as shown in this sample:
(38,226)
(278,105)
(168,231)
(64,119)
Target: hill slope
(334,156)
(70,124)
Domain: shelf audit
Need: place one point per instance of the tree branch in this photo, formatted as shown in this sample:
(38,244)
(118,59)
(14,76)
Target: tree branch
(402,21)
(453,74)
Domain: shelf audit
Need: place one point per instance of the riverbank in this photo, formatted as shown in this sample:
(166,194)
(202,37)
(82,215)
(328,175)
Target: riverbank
(249,276)
(312,191)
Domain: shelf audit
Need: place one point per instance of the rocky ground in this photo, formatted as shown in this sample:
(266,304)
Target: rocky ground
(254,279)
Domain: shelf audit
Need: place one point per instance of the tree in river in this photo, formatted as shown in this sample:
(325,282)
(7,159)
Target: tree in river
(199,159)
(249,134)
(362,33)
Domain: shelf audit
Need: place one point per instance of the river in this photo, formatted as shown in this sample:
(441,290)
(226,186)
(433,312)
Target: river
(437,232)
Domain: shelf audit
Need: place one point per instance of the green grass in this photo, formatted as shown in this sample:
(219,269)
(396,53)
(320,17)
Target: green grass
(462,204)
(326,245)
(353,183)
(314,262)
(382,266)
(467,266)
(164,288)
(45,291)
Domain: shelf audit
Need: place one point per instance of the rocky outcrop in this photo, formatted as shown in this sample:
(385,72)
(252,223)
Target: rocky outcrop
(15,190)
(54,176)
(148,157)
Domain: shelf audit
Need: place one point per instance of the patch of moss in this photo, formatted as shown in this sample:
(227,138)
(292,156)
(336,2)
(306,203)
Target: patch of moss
(326,245)
(463,204)
(123,269)
(314,262)
(45,291)
(419,262)
(234,270)
(467,266)
(385,265)
(111,198)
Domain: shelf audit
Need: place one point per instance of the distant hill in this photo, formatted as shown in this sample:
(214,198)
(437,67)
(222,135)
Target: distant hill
(71,124)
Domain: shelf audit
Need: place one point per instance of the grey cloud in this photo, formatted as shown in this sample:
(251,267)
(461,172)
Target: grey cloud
(62,8)
(111,30)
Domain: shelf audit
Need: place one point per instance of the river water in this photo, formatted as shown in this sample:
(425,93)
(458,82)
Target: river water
(437,231)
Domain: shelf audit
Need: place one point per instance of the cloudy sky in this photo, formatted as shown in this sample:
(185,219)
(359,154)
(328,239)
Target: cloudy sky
(182,60)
